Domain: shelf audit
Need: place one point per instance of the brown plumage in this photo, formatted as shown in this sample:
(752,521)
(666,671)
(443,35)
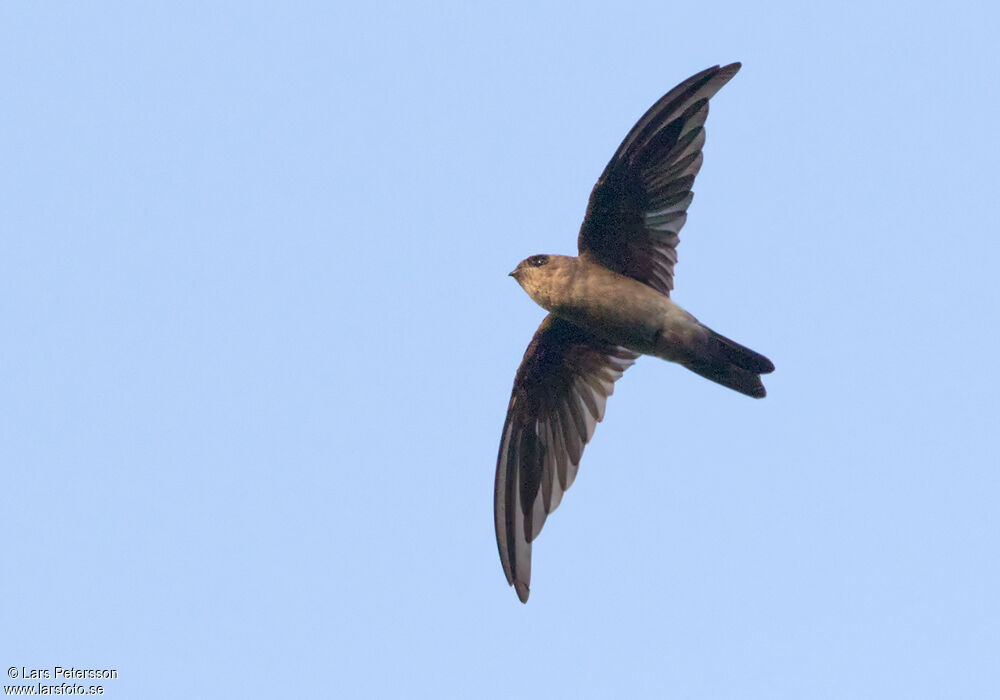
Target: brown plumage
(607,307)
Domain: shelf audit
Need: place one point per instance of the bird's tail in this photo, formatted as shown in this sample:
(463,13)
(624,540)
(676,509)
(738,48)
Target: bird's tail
(730,364)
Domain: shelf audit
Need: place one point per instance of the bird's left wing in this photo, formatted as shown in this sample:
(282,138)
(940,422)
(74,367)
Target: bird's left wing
(639,204)
(558,398)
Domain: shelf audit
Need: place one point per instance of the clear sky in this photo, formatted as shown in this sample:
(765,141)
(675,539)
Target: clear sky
(259,340)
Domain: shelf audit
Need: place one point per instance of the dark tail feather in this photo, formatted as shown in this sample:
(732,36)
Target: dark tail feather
(731,365)
(742,357)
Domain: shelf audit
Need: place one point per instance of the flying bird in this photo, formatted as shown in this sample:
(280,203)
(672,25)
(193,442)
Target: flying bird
(608,306)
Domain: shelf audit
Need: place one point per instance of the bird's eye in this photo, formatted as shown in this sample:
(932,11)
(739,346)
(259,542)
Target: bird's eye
(538,260)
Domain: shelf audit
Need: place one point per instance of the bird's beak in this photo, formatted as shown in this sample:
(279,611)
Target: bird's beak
(512,273)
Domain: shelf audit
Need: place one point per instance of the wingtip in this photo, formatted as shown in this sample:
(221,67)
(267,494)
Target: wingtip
(729,71)
(522,591)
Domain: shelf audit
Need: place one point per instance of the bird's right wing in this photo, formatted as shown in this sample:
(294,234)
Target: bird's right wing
(558,398)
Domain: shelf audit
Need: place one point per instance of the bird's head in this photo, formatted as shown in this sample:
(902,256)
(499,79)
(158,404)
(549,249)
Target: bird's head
(542,276)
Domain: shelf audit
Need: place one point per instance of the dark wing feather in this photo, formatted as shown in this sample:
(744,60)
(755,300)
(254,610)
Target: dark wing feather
(639,204)
(558,398)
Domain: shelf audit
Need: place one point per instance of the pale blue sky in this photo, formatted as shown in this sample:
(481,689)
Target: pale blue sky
(259,342)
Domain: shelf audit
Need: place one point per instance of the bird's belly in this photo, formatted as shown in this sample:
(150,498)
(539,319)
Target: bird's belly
(631,315)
